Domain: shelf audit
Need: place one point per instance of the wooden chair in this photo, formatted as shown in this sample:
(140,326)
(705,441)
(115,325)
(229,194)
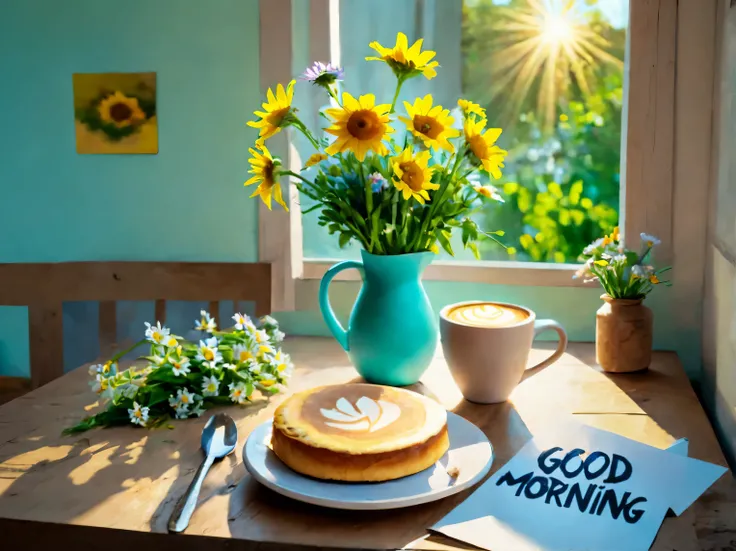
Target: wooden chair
(43,288)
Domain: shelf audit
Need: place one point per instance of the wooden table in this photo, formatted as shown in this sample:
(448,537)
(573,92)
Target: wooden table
(114,489)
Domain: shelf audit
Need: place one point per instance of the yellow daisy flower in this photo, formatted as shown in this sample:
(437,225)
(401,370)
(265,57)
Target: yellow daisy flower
(359,125)
(412,175)
(314,159)
(120,110)
(406,62)
(482,144)
(263,167)
(275,111)
(432,125)
(470,108)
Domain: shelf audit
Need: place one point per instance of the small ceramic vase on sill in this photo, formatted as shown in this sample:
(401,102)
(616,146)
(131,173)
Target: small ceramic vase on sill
(623,336)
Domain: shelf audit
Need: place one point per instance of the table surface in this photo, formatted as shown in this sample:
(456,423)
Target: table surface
(115,488)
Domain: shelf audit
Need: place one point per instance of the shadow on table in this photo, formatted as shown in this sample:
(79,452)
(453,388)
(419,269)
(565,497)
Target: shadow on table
(75,475)
(257,513)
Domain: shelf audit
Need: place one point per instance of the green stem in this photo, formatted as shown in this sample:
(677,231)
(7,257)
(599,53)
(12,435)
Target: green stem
(368,205)
(333,94)
(297,175)
(119,355)
(399,83)
(304,130)
(437,201)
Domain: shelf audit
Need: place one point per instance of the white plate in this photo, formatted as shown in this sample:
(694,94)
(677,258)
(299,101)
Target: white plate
(470,451)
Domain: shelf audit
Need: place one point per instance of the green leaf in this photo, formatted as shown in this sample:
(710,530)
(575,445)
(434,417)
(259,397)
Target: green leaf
(526,241)
(474,247)
(576,191)
(555,190)
(345,238)
(443,238)
(564,217)
(510,188)
(631,258)
(524,200)
(157,394)
(578,216)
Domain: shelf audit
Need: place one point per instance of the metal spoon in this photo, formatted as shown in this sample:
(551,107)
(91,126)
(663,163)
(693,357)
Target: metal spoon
(219,437)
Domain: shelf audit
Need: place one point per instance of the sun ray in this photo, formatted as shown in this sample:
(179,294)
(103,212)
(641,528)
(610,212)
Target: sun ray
(549,42)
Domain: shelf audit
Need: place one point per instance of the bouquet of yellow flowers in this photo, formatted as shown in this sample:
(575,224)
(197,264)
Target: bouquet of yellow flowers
(392,192)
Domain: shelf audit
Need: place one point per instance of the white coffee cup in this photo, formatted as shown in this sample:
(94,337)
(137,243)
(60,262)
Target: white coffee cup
(487,351)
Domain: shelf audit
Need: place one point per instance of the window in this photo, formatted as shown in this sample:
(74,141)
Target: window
(590,143)
(549,73)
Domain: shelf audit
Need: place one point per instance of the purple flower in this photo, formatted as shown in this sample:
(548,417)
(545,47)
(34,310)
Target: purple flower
(323,74)
(378,182)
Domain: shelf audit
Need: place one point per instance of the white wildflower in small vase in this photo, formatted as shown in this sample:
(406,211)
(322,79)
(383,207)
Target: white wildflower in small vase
(624,325)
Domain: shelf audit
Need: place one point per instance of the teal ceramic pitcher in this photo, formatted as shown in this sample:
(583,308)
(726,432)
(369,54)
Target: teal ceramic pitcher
(392,332)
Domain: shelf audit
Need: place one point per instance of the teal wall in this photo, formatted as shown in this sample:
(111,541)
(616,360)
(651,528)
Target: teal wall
(186,203)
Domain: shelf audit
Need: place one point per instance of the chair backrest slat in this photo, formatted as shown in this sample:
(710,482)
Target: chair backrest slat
(160,311)
(108,325)
(45,341)
(44,287)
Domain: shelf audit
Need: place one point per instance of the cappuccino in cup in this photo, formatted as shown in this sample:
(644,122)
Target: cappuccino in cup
(487,345)
(487,314)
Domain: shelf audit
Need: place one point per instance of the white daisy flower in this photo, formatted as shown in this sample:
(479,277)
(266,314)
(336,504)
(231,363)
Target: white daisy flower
(253,367)
(649,240)
(210,386)
(238,392)
(180,366)
(268,321)
(265,350)
(138,415)
(267,379)
(205,323)
(261,336)
(101,385)
(244,323)
(108,369)
(242,353)
(198,410)
(186,398)
(282,364)
(642,271)
(590,249)
(95,369)
(170,341)
(277,336)
(229,366)
(182,412)
(207,352)
(156,333)
(173,402)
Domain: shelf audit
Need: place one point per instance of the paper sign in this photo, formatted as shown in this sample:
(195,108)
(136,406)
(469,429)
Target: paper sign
(579,488)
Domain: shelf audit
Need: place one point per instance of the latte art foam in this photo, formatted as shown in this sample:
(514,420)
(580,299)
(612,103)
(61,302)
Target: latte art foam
(487,315)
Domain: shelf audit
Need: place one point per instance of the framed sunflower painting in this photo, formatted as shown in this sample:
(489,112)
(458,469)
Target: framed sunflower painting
(115,113)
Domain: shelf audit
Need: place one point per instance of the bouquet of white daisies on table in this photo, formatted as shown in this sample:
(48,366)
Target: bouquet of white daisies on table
(181,379)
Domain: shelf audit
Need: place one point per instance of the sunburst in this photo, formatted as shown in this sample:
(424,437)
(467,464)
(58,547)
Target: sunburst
(546,45)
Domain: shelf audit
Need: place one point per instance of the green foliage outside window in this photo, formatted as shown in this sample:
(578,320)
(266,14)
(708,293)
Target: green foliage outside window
(562,177)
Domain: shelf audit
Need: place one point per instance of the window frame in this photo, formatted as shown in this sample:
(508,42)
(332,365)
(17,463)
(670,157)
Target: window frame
(648,162)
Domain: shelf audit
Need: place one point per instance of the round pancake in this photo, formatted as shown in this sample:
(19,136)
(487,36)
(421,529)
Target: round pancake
(359,432)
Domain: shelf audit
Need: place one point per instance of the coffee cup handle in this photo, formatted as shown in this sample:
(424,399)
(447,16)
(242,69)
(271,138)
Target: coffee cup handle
(545,325)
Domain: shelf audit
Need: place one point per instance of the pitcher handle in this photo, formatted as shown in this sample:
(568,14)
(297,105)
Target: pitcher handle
(545,325)
(324,300)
